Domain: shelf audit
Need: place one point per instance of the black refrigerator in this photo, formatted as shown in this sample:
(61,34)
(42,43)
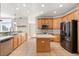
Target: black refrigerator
(69,36)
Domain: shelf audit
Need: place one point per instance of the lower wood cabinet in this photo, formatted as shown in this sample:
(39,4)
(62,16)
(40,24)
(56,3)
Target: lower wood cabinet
(15,42)
(43,45)
(57,38)
(6,47)
(19,39)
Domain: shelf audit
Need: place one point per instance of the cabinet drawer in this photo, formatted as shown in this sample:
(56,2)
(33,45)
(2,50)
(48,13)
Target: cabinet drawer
(43,45)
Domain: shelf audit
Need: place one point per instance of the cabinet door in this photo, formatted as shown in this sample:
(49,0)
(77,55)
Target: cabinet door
(43,21)
(46,21)
(43,45)
(15,42)
(65,18)
(76,15)
(19,39)
(56,23)
(78,25)
(57,38)
(50,23)
(39,23)
(23,38)
(71,16)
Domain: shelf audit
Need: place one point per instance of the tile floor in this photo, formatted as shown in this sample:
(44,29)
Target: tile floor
(28,48)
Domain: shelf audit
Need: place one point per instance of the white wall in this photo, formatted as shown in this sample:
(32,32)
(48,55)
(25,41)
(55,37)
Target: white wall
(20,23)
(32,26)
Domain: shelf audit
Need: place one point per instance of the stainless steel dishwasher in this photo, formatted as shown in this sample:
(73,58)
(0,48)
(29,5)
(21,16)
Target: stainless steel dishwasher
(6,47)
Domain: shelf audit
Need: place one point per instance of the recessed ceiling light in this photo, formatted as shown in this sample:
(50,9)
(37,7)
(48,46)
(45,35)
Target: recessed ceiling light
(42,5)
(60,5)
(55,12)
(24,5)
(17,8)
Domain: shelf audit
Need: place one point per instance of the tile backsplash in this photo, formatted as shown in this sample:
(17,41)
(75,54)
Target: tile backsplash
(39,31)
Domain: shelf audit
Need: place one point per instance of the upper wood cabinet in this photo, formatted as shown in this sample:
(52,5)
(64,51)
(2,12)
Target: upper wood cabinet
(45,21)
(70,16)
(42,21)
(78,12)
(64,18)
(56,23)
(39,23)
(50,23)
(76,15)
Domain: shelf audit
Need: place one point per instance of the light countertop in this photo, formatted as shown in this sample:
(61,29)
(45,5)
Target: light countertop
(5,37)
(45,36)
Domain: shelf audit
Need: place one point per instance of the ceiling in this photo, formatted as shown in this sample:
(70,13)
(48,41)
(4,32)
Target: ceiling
(35,9)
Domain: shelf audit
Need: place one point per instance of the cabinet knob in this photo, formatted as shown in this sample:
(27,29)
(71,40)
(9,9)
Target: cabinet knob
(42,41)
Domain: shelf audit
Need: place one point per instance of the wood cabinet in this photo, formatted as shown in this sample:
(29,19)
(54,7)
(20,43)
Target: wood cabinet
(56,23)
(23,37)
(19,39)
(44,21)
(41,21)
(43,45)
(70,16)
(57,38)
(78,24)
(78,12)
(65,18)
(76,17)
(50,23)
(15,42)
(39,24)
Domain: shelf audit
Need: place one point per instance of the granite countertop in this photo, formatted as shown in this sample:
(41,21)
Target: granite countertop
(45,36)
(3,38)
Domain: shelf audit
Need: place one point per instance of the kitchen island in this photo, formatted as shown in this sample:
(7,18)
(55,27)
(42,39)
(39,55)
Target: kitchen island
(43,42)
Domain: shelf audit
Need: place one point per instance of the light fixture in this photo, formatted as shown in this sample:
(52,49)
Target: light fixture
(55,12)
(43,5)
(60,5)
(24,5)
(17,8)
